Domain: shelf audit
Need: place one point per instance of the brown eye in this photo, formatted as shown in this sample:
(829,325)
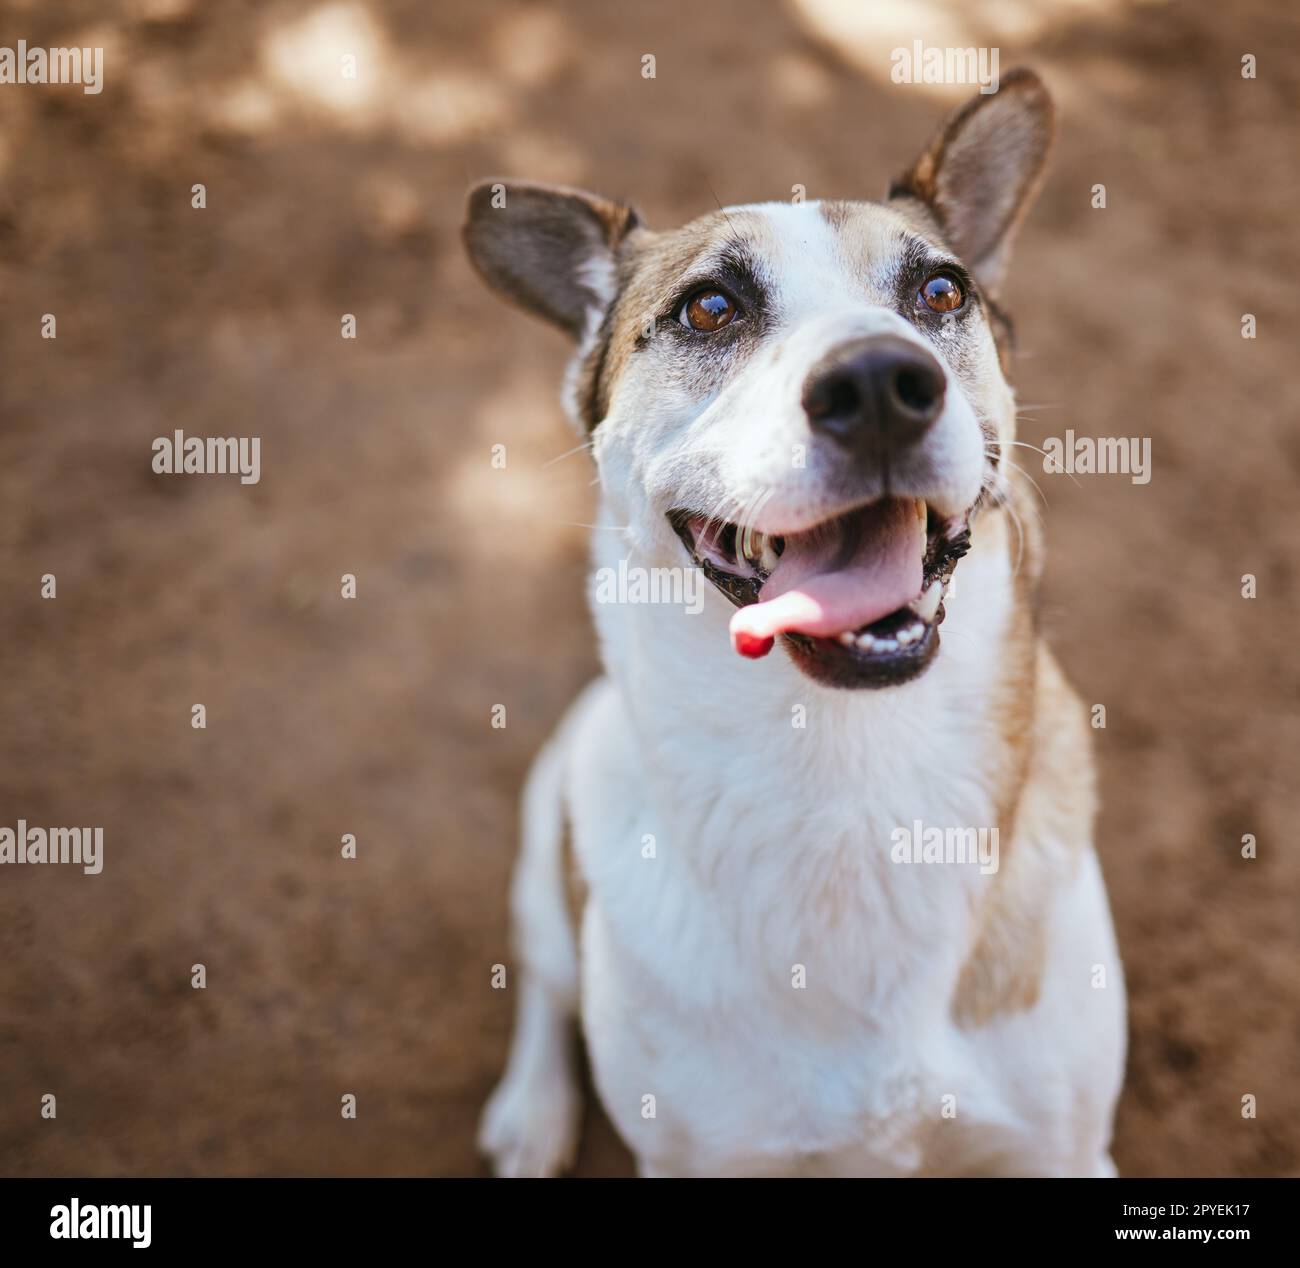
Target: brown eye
(707,311)
(942,294)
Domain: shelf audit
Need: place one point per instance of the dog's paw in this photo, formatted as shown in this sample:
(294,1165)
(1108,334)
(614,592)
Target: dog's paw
(531,1123)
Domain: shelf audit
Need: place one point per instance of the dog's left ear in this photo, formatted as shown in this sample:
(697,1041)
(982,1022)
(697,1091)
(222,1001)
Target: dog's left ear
(549,249)
(981,173)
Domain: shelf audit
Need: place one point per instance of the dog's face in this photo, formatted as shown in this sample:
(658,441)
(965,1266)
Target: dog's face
(807,399)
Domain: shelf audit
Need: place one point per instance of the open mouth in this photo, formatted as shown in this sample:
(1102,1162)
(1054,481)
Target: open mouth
(858,598)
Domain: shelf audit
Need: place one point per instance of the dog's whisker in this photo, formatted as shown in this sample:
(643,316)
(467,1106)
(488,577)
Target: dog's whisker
(586,444)
(1014,516)
(1020,471)
(1026,445)
(751,512)
(1034,485)
(1020,444)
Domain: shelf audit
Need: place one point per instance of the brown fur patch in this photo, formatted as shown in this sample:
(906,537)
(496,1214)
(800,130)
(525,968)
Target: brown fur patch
(1045,811)
(575,885)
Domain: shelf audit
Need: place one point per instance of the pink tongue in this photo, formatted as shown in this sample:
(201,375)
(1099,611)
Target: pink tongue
(838,577)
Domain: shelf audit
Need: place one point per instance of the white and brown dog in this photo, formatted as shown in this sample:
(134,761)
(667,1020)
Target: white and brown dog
(789,961)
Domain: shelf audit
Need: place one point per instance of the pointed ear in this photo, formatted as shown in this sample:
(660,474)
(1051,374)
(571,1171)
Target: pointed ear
(550,250)
(982,172)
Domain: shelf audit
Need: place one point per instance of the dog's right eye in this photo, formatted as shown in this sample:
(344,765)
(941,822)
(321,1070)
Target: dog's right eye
(707,310)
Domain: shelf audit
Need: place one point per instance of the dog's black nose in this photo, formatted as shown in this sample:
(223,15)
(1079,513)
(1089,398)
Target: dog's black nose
(874,395)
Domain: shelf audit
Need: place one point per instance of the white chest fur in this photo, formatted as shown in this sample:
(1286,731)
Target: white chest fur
(755,960)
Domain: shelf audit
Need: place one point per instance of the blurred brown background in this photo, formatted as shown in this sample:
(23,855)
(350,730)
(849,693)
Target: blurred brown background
(372,717)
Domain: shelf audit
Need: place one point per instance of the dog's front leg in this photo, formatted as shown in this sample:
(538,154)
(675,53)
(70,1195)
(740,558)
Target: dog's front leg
(531,1123)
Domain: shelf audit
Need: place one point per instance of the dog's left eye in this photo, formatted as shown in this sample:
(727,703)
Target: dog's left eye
(707,310)
(942,294)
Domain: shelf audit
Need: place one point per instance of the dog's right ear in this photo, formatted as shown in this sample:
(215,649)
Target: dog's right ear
(551,250)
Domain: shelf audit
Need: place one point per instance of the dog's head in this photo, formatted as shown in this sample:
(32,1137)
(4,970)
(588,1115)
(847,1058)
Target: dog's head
(808,399)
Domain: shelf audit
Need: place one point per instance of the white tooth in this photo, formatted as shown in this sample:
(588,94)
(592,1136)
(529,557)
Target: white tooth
(848,638)
(928,604)
(865,642)
(756,548)
(759,551)
(886,645)
(905,637)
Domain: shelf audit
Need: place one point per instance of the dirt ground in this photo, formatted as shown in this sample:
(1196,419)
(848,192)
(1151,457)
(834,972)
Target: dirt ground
(328,196)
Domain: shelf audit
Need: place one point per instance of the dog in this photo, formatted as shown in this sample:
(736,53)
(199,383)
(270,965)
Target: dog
(785,956)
